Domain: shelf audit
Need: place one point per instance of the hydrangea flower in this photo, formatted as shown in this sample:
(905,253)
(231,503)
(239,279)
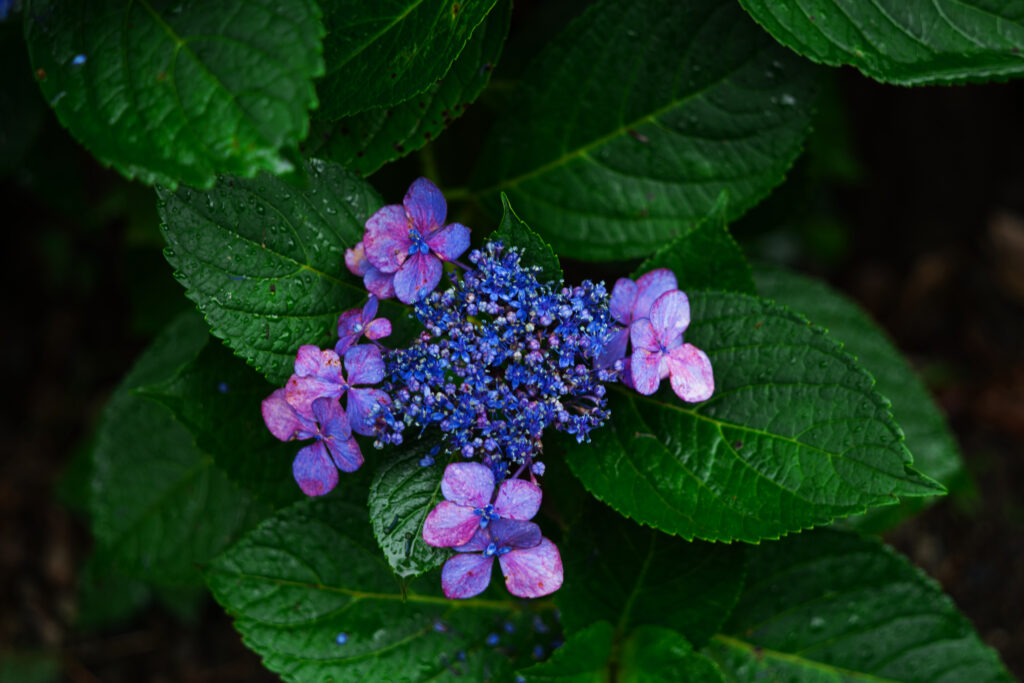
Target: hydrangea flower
(381,285)
(316,466)
(355,323)
(319,374)
(631,301)
(471,504)
(659,351)
(411,240)
(530,563)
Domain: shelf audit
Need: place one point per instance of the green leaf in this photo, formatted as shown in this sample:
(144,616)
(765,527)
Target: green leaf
(794,436)
(21,108)
(627,127)
(832,606)
(706,257)
(909,42)
(381,54)
(217,398)
(401,496)
(628,575)
(314,571)
(513,232)
(178,92)
(650,655)
(158,506)
(366,141)
(927,436)
(264,261)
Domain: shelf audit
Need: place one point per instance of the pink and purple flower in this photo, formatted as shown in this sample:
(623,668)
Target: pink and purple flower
(409,241)
(481,524)
(355,323)
(659,351)
(316,466)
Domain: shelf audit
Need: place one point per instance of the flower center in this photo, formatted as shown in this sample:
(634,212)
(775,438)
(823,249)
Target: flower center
(418,244)
(493,549)
(486,513)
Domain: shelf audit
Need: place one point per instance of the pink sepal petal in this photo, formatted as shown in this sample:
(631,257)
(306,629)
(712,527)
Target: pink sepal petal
(362,409)
(347,334)
(449,525)
(387,239)
(282,420)
(378,328)
(645,371)
(370,309)
(355,260)
(623,297)
(332,418)
(627,373)
(364,365)
(690,373)
(346,454)
(649,287)
(643,336)
(314,471)
(381,285)
(465,575)
(670,316)
(308,360)
(450,241)
(518,499)
(300,392)
(417,278)
(533,572)
(468,483)
(426,205)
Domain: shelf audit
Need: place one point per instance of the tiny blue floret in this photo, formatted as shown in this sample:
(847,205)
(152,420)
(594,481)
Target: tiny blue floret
(341,639)
(78,60)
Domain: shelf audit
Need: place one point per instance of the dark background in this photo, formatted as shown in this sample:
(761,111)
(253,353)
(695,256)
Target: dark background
(909,200)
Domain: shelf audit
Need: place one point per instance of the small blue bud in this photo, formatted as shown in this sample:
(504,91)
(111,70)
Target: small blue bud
(341,638)
(79,60)
(223,387)
(492,639)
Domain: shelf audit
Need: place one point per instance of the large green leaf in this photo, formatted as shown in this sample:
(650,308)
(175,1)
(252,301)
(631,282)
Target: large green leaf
(382,53)
(707,257)
(264,261)
(629,125)
(158,505)
(650,655)
(180,91)
(314,572)
(910,42)
(366,141)
(217,398)
(794,436)
(401,496)
(630,576)
(831,606)
(928,437)
(514,232)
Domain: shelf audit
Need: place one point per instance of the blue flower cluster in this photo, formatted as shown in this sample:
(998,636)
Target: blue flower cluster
(502,357)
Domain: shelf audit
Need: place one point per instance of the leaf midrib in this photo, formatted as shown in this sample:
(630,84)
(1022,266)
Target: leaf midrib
(756,651)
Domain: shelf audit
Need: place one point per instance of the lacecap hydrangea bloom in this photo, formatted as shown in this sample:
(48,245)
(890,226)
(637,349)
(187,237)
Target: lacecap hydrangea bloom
(501,358)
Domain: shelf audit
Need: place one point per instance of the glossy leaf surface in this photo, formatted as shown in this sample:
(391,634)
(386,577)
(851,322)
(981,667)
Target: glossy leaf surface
(909,42)
(628,126)
(159,506)
(263,260)
(831,606)
(514,232)
(794,436)
(381,53)
(928,437)
(366,141)
(171,92)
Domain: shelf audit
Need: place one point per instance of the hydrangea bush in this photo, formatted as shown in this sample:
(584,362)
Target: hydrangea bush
(677,471)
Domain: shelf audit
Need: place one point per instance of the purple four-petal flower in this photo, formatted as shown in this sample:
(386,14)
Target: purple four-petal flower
(355,323)
(632,301)
(659,351)
(318,373)
(530,563)
(468,488)
(411,240)
(316,466)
